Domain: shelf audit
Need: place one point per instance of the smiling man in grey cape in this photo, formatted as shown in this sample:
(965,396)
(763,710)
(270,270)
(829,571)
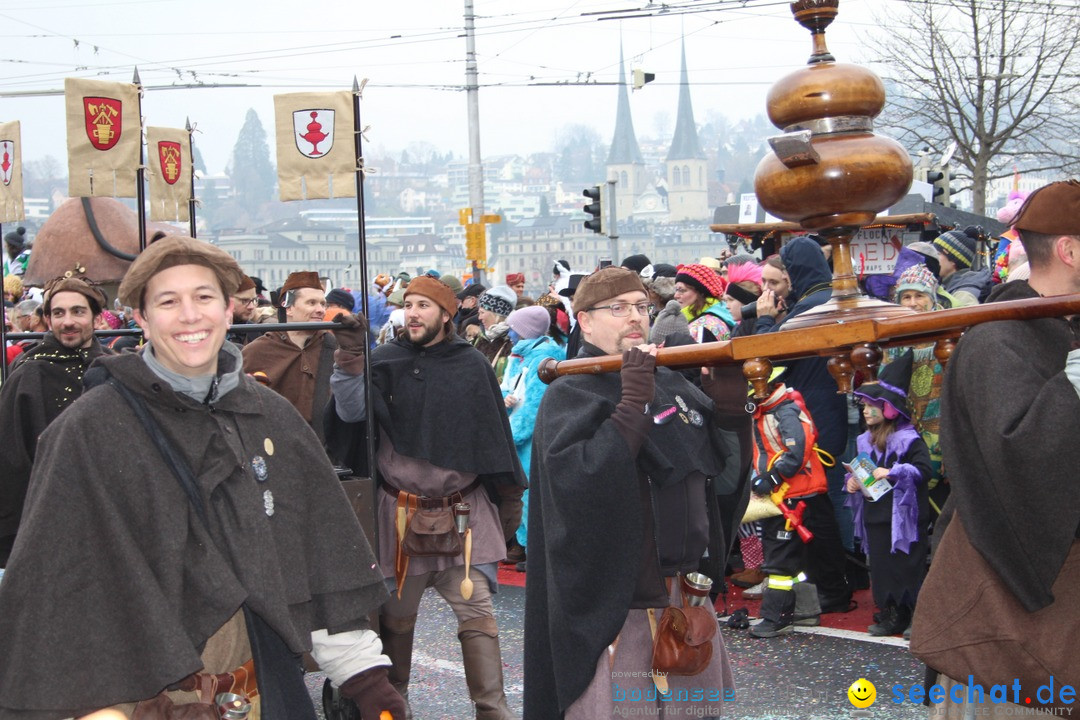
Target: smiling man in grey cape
(133,573)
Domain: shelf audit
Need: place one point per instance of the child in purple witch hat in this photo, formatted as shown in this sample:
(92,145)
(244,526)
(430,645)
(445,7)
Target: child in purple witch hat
(893,527)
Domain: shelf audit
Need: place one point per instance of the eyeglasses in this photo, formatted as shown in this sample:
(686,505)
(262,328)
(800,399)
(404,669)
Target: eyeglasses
(623,309)
(245,301)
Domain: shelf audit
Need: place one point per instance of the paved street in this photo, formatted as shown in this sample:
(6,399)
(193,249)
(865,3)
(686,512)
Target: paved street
(803,676)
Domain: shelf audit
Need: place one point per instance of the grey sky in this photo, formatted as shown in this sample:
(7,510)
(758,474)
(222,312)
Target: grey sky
(413,53)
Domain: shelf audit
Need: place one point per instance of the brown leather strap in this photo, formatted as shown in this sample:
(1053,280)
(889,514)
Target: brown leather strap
(240,681)
(430,503)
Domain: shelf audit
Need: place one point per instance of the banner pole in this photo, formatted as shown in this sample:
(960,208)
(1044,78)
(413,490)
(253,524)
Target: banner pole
(140,191)
(191,195)
(361,237)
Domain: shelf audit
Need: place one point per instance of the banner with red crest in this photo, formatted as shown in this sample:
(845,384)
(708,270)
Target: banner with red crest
(316,154)
(11,188)
(104,137)
(168,169)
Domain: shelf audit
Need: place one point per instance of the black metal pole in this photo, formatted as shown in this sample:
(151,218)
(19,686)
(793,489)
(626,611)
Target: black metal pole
(140,191)
(361,237)
(191,195)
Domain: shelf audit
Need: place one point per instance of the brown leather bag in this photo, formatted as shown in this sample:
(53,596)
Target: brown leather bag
(683,643)
(431,532)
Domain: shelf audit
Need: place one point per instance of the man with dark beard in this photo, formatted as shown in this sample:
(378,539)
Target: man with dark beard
(426,466)
(44,380)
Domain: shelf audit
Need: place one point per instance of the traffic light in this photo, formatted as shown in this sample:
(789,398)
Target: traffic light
(941,177)
(597,208)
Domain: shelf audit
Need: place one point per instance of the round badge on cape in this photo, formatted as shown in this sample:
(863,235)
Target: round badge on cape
(695,418)
(268,446)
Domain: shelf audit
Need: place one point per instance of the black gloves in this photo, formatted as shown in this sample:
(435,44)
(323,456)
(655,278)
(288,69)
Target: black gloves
(765,484)
(372,692)
(638,379)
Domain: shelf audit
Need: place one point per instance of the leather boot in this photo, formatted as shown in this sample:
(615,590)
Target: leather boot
(397,642)
(483,668)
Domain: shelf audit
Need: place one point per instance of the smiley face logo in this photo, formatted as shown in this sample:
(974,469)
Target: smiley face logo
(862,693)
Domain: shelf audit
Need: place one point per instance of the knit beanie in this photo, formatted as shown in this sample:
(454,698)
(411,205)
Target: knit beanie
(917,277)
(500,300)
(636,263)
(703,279)
(668,323)
(13,284)
(530,322)
(16,238)
(452,282)
(337,296)
(958,246)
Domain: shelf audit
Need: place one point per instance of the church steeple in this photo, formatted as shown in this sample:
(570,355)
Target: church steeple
(685,145)
(686,165)
(625,165)
(624,145)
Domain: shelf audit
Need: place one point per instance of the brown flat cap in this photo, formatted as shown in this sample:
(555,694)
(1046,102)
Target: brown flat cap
(1053,209)
(298,280)
(94,295)
(438,291)
(246,283)
(605,284)
(170,252)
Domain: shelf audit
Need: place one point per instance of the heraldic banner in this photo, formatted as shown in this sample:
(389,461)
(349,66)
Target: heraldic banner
(104,137)
(11,192)
(169,170)
(316,155)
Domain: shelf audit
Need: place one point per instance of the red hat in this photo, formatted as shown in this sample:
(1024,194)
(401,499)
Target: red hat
(515,278)
(703,279)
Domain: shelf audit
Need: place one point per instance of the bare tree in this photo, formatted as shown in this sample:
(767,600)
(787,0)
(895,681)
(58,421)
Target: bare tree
(1001,78)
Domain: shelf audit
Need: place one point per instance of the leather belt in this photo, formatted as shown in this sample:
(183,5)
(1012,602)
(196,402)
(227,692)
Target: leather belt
(433,503)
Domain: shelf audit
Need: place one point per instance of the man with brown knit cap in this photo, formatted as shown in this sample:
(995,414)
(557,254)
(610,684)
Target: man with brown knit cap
(298,363)
(44,380)
(443,439)
(208,554)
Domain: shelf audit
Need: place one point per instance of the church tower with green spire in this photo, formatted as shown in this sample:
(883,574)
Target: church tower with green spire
(685,166)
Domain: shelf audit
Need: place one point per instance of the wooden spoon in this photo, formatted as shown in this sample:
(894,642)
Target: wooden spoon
(466,584)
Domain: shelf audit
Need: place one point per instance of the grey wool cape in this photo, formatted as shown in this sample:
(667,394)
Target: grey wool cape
(114,584)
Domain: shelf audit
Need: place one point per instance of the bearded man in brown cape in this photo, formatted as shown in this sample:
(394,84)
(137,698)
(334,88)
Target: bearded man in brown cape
(44,380)
(208,554)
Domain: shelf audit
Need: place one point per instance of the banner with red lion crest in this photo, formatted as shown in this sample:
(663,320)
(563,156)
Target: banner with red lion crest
(104,136)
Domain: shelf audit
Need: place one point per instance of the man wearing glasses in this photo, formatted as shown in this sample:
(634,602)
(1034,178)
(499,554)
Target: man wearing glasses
(623,469)
(244,303)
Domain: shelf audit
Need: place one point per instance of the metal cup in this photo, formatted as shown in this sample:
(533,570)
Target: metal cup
(232,706)
(695,588)
(461,516)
